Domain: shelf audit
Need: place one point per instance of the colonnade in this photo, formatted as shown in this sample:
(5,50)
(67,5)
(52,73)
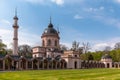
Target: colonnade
(92,64)
(23,63)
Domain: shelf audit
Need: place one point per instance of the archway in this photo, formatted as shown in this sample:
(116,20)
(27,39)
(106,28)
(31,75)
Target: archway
(23,63)
(75,64)
(35,64)
(108,65)
(8,63)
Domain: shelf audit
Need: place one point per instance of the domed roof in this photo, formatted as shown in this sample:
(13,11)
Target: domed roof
(50,30)
(106,56)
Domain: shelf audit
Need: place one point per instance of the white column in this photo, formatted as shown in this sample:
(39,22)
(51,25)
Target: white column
(26,65)
(3,64)
(32,64)
(43,64)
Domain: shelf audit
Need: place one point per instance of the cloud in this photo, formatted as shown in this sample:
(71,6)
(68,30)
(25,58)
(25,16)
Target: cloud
(78,17)
(58,2)
(3,21)
(91,9)
(46,2)
(40,2)
(24,37)
(100,45)
(36,1)
(109,20)
(118,1)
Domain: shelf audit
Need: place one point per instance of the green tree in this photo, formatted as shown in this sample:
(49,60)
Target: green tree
(25,50)
(2,48)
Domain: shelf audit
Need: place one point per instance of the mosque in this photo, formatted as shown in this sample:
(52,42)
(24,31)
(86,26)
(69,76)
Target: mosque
(49,55)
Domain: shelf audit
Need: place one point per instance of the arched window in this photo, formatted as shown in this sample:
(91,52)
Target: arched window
(43,43)
(75,55)
(55,42)
(49,42)
(75,64)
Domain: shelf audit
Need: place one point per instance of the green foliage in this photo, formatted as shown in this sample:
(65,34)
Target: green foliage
(2,48)
(25,50)
(79,74)
(115,54)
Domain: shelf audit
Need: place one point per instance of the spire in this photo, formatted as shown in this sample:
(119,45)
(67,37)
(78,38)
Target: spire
(50,24)
(16,11)
(15,17)
(15,24)
(50,19)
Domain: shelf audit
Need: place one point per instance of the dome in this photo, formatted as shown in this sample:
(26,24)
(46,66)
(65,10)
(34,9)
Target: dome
(50,30)
(106,56)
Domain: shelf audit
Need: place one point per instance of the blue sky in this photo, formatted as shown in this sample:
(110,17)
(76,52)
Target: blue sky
(93,21)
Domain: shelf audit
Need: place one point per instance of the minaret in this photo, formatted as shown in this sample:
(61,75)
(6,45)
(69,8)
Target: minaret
(15,38)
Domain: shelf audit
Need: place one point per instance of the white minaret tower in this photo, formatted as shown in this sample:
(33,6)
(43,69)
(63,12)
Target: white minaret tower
(15,38)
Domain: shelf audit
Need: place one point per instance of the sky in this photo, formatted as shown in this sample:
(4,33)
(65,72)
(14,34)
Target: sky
(93,21)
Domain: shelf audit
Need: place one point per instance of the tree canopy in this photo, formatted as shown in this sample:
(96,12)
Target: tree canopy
(25,50)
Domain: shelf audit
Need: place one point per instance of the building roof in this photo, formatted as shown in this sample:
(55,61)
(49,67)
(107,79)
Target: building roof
(106,56)
(15,57)
(50,31)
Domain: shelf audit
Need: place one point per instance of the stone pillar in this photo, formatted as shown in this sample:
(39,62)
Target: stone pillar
(52,64)
(32,65)
(43,65)
(19,65)
(12,63)
(26,65)
(60,65)
(47,65)
(63,65)
(38,63)
(3,64)
(56,65)
(9,66)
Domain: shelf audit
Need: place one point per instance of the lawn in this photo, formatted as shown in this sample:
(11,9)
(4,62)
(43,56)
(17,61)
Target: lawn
(79,74)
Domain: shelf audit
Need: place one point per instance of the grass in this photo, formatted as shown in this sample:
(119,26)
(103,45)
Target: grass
(79,74)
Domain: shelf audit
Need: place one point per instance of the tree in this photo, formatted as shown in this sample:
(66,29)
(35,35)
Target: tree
(9,51)
(2,48)
(24,50)
(90,57)
(75,45)
(2,45)
(117,45)
(86,47)
(107,48)
(63,47)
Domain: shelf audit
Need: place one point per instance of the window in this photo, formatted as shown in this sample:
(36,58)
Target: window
(75,55)
(35,56)
(49,42)
(55,42)
(43,43)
